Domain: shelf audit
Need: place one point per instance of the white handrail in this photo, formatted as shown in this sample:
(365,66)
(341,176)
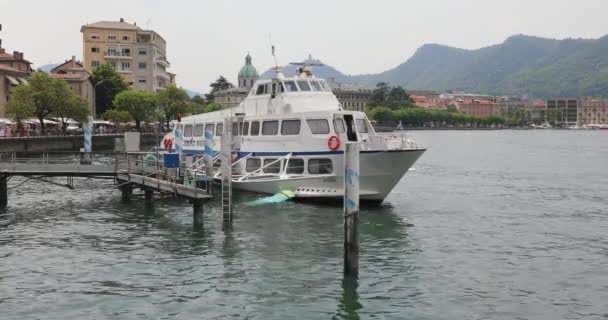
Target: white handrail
(262,167)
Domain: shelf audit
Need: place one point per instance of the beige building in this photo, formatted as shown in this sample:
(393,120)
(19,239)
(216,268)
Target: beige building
(351,96)
(591,111)
(14,69)
(140,56)
(78,78)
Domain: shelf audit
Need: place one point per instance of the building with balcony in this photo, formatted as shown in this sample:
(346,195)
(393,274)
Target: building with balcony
(593,112)
(14,69)
(140,56)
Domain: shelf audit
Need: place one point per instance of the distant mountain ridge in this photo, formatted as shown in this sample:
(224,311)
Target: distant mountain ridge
(521,64)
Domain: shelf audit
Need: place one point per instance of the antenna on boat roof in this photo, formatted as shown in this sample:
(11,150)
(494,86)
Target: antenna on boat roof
(277,68)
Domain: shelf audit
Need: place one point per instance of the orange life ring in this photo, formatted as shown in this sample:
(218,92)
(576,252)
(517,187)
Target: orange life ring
(333,143)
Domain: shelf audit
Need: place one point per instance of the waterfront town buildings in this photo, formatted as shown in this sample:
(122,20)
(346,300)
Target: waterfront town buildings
(14,69)
(232,97)
(593,112)
(81,82)
(563,111)
(482,107)
(140,56)
(351,96)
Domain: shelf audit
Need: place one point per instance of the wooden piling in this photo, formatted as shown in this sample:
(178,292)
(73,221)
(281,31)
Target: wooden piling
(197,213)
(149,195)
(3,190)
(351,209)
(127,191)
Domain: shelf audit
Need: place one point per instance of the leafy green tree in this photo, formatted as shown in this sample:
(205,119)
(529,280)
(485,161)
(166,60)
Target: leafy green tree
(21,104)
(198,100)
(214,106)
(107,90)
(74,107)
(139,104)
(220,84)
(382,115)
(116,116)
(390,97)
(172,100)
(44,96)
(378,95)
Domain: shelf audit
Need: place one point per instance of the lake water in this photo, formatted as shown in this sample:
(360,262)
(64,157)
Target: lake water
(491,225)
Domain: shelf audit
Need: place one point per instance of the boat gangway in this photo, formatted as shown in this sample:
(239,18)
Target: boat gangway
(130,171)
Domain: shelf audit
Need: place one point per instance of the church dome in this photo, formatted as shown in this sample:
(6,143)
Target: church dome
(248,70)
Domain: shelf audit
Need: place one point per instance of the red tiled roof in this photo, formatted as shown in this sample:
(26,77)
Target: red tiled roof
(538,104)
(5,55)
(11,69)
(70,76)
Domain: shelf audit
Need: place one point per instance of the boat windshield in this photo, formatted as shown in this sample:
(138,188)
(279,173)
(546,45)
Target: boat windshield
(303,84)
(315,86)
(291,86)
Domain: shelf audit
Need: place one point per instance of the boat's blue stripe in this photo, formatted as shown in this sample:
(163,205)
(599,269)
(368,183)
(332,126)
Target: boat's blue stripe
(284,153)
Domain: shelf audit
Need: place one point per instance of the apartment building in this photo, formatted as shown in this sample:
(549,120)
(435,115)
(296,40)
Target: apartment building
(563,111)
(14,69)
(140,56)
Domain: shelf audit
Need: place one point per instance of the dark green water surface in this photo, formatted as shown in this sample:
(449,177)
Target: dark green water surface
(491,225)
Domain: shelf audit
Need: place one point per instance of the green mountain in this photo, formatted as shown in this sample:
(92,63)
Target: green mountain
(520,65)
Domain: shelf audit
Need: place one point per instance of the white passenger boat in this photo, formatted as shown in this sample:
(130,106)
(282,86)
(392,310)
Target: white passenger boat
(289,134)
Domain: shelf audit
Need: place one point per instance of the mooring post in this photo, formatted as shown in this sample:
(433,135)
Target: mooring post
(226,158)
(149,195)
(3,190)
(209,160)
(86,157)
(351,209)
(127,191)
(197,213)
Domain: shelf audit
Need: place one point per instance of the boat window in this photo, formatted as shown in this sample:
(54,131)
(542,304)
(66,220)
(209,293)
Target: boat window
(290,127)
(303,84)
(252,164)
(281,87)
(315,86)
(188,130)
(320,166)
(295,166)
(235,129)
(255,128)
(267,88)
(259,90)
(245,130)
(209,127)
(291,86)
(272,168)
(361,126)
(219,129)
(339,125)
(199,130)
(270,128)
(318,126)
(323,85)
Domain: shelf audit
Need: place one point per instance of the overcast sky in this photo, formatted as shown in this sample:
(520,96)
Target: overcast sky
(209,38)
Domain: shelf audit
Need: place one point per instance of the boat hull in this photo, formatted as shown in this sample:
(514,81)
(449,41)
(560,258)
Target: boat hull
(380,171)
